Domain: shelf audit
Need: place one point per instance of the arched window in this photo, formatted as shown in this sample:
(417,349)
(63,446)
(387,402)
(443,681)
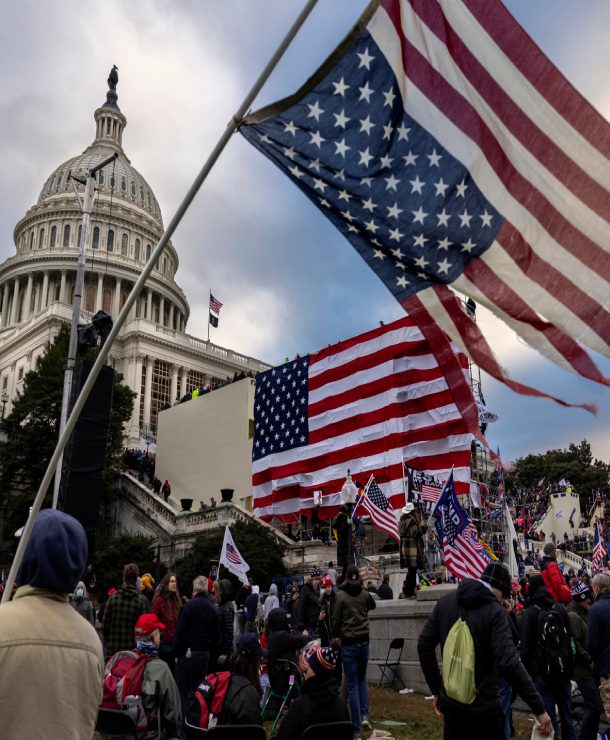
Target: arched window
(112,181)
(66,241)
(142,194)
(32,240)
(80,233)
(133,189)
(124,244)
(91,294)
(101,178)
(123,185)
(53,239)
(110,241)
(41,239)
(136,250)
(148,250)
(58,181)
(106,298)
(96,237)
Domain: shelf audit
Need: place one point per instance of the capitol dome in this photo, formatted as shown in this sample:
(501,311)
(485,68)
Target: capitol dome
(158,359)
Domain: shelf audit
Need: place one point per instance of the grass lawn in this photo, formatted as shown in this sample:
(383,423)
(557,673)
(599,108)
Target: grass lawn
(420,721)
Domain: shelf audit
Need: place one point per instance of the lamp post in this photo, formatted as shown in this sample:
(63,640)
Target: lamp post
(349,493)
(4,401)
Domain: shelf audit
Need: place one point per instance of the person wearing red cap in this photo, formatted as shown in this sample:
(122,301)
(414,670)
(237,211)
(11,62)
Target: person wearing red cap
(159,692)
(327,603)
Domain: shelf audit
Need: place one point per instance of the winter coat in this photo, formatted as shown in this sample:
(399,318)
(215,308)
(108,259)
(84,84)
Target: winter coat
(341,526)
(167,616)
(85,608)
(554,581)
(308,608)
(350,620)
(598,639)
(198,626)
(120,616)
(52,665)
(410,535)
(495,651)
(226,616)
(385,592)
(159,692)
(281,645)
(251,607)
(327,604)
(272,601)
(540,601)
(242,704)
(583,665)
(319,702)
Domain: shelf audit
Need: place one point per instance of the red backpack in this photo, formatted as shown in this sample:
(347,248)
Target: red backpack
(206,704)
(122,686)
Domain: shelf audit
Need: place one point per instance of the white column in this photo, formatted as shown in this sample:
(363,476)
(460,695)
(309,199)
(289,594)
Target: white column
(44,297)
(62,287)
(183,376)
(99,296)
(137,387)
(28,297)
(149,315)
(162,311)
(5,304)
(173,392)
(148,390)
(15,307)
(132,310)
(116,298)
(171,316)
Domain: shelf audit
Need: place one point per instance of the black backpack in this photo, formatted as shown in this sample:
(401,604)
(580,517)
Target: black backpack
(555,647)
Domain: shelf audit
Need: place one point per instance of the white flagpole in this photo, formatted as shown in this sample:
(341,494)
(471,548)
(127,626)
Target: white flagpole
(137,288)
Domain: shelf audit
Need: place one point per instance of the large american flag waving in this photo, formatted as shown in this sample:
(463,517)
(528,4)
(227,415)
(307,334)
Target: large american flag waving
(450,152)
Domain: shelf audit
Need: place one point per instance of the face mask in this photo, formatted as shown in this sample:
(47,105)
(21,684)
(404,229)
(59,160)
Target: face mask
(79,593)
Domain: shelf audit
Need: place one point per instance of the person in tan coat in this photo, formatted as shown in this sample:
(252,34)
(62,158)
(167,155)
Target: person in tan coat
(50,657)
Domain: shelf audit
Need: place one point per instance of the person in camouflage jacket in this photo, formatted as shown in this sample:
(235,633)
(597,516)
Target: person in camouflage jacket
(122,612)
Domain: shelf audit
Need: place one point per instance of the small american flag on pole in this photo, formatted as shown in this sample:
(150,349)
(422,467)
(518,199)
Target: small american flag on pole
(600,551)
(430,493)
(380,509)
(215,304)
(464,555)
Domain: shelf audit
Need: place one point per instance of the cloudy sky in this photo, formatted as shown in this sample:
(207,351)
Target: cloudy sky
(289,282)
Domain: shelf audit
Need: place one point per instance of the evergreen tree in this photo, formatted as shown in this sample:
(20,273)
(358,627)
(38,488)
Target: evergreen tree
(32,430)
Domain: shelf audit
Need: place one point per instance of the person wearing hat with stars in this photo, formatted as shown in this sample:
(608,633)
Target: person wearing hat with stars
(584,673)
(479,603)
(319,699)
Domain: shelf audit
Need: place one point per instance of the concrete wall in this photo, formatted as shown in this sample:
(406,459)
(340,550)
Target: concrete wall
(402,618)
(203,445)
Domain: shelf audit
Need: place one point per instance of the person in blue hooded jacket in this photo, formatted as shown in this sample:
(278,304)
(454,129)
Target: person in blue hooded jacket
(51,658)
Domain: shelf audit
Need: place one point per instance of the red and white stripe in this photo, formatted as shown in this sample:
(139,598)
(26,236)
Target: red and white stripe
(375,401)
(537,150)
(384,520)
(430,493)
(465,558)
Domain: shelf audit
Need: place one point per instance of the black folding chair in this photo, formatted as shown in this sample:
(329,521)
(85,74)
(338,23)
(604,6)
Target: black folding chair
(389,670)
(114,722)
(329,731)
(227,732)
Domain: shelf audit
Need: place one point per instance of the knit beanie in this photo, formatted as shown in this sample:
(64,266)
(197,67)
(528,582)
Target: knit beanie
(497,576)
(322,660)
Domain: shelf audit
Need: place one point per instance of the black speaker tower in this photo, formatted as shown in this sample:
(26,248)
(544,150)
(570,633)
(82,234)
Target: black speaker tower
(82,478)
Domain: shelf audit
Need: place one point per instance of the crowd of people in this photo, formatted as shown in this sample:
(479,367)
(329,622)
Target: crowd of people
(545,639)
(212,385)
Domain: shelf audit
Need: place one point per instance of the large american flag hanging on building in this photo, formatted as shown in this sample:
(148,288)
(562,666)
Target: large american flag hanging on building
(463,553)
(449,151)
(367,404)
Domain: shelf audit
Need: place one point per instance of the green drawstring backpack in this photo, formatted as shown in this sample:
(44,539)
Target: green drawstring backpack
(458,664)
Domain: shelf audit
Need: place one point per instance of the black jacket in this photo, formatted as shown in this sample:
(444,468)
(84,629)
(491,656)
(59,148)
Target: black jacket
(198,626)
(598,639)
(308,608)
(341,526)
(385,591)
(327,604)
(242,704)
(319,702)
(540,601)
(494,650)
(226,615)
(281,645)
